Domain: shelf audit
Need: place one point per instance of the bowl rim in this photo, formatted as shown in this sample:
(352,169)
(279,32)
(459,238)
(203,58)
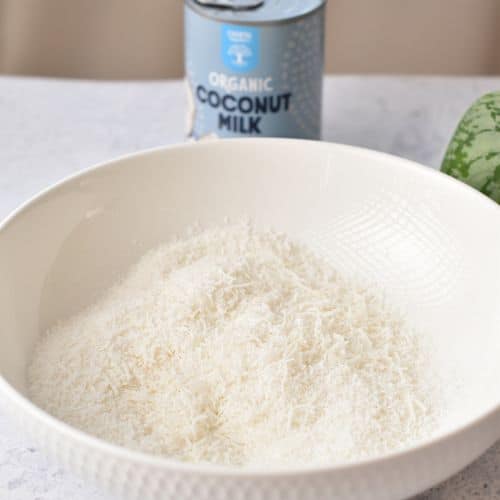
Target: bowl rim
(22,402)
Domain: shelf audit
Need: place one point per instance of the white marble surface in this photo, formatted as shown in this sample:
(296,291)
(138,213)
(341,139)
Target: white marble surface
(52,128)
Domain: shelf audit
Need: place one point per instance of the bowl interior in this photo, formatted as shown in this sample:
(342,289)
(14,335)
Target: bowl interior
(431,243)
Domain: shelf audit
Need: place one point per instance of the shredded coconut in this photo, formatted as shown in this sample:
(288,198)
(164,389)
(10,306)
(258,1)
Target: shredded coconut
(238,347)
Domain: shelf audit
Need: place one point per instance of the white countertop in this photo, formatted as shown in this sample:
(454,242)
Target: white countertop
(51,128)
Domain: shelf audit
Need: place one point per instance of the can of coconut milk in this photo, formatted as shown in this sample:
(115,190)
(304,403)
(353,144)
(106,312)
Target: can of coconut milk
(254,67)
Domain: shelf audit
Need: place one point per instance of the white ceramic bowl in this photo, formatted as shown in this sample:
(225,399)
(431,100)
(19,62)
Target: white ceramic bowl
(433,243)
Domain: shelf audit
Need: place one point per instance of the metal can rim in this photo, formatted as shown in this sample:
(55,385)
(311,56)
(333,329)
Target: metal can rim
(203,11)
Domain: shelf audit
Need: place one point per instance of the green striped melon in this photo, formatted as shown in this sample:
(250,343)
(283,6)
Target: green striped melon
(473,155)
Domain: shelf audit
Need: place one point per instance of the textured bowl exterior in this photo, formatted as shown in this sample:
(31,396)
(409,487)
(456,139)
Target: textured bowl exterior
(137,477)
(134,475)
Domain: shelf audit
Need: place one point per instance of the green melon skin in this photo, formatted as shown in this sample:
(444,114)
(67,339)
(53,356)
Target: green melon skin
(473,155)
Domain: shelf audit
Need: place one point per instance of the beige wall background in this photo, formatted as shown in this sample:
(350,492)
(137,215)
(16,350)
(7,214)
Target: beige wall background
(144,38)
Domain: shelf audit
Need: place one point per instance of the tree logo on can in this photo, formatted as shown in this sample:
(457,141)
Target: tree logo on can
(240,47)
(255,68)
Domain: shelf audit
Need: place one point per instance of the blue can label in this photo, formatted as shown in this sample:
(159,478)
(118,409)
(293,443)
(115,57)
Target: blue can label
(254,80)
